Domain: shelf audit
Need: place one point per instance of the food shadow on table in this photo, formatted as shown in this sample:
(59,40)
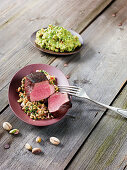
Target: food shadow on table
(74,121)
(86,54)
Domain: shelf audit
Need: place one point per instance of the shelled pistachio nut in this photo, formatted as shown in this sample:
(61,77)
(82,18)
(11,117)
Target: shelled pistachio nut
(54,140)
(7,126)
(28,146)
(38,139)
(36,150)
(14,131)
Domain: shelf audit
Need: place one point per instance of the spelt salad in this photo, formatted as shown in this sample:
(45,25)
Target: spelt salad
(37,109)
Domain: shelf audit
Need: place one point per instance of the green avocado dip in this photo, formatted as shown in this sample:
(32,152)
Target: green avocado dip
(57,39)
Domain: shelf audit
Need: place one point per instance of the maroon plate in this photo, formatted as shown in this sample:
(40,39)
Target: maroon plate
(33,37)
(16,82)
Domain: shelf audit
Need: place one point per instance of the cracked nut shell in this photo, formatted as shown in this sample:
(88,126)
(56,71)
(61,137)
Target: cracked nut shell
(14,131)
(36,150)
(7,126)
(54,140)
(28,146)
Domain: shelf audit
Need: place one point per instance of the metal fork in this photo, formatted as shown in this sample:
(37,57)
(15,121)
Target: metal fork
(79,92)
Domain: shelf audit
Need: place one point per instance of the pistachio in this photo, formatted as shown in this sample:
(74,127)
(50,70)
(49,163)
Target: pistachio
(36,150)
(14,131)
(7,126)
(54,141)
(38,139)
(28,146)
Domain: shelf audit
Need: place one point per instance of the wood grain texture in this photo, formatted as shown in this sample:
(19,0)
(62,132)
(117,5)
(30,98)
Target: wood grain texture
(70,131)
(18,23)
(106,148)
(101,66)
(98,69)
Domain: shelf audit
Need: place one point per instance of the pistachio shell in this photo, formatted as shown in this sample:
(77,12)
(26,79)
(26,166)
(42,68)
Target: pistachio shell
(7,126)
(54,140)
(28,146)
(14,131)
(36,150)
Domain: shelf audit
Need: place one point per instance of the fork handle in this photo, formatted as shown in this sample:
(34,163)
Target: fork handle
(120,111)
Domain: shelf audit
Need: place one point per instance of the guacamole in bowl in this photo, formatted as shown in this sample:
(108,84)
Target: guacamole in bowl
(57,39)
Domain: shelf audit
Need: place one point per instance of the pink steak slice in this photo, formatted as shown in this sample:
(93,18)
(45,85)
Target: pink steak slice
(58,104)
(41,90)
(37,86)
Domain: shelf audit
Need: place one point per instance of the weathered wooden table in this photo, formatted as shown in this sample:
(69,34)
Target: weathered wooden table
(91,137)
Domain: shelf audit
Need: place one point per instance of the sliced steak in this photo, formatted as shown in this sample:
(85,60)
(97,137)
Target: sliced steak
(41,90)
(37,86)
(58,104)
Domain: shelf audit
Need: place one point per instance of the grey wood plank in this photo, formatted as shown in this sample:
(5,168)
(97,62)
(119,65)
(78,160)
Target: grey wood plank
(106,148)
(14,9)
(5,5)
(69,131)
(100,77)
(88,72)
(101,66)
(11,9)
(64,13)
(15,49)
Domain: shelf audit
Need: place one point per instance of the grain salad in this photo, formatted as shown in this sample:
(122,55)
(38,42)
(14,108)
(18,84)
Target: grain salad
(58,39)
(37,109)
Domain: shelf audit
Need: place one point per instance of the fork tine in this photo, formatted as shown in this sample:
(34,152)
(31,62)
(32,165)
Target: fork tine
(72,94)
(69,90)
(74,87)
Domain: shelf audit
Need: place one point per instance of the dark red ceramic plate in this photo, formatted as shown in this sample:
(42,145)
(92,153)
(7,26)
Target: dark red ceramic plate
(16,82)
(33,37)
